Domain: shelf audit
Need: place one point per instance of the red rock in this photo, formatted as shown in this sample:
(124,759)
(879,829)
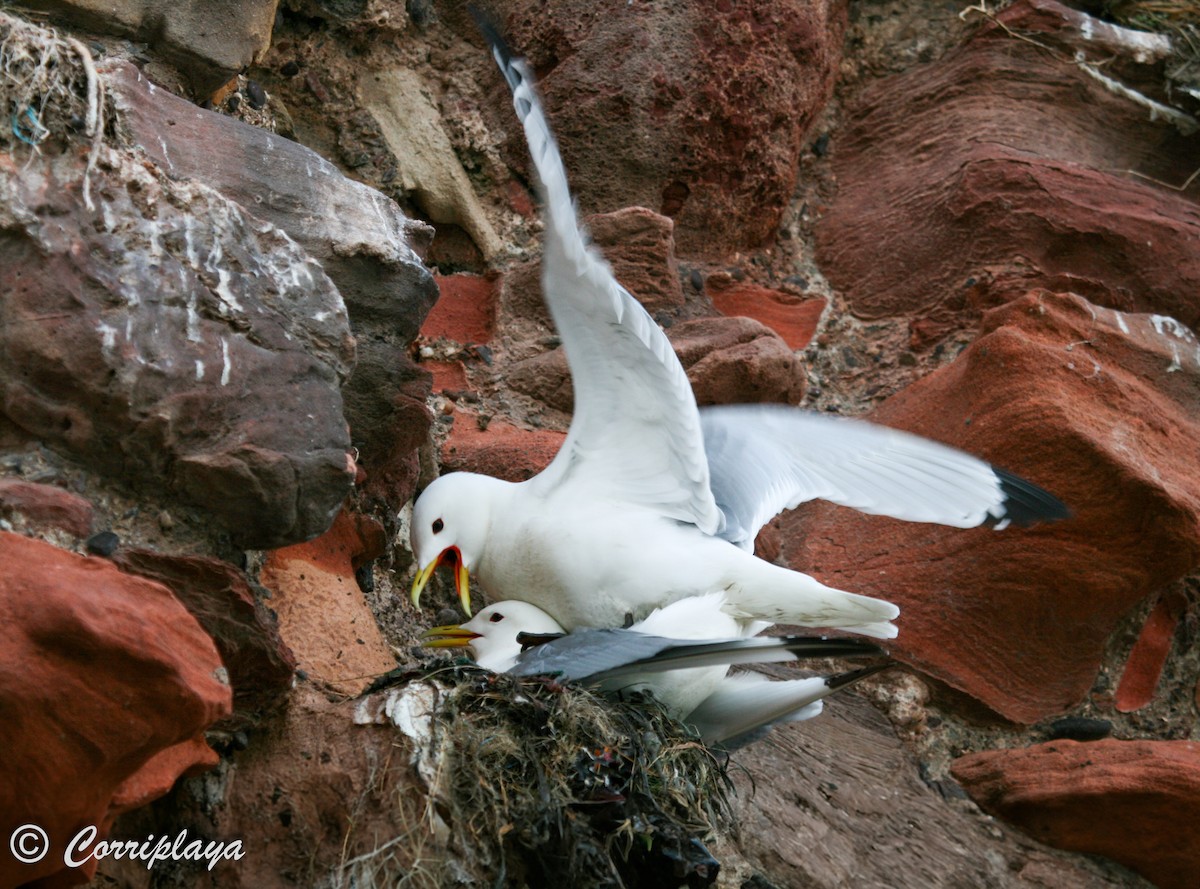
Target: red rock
(1035,197)
(323,616)
(246,633)
(794,318)
(1142,670)
(639,244)
(107,684)
(501,450)
(728,361)
(737,361)
(46,506)
(465,311)
(713,101)
(448,376)
(1137,802)
(1094,405)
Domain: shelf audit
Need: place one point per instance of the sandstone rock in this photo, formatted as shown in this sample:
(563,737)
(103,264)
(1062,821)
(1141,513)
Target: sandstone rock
(465,311)
(246,633)
(794,318)
(167,337)
(366,245)
(107,684)
(714,103)
(501,449)
(211,40)
(323,616)
(737,361)
(639,244)
(839,801)
(1096,406)
(1036,196)
(313,799)
(428,166)
(1139,678)
(1136,802)
(728,361)
(46,506)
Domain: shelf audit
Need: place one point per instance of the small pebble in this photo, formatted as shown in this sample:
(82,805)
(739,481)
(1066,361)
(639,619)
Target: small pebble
(165,522)
(365,575)
(1079,728)
(290,69)
(234,102)
(255,95)
(696,279)
(103,543)
(821,145)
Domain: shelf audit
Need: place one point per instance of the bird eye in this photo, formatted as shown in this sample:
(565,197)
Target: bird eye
(438,525)
(496,618)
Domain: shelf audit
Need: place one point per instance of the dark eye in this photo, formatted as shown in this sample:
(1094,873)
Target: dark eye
(438,525)
(496,618)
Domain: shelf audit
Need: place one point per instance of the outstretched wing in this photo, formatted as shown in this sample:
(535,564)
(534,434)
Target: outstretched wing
(635,435)
(763,459)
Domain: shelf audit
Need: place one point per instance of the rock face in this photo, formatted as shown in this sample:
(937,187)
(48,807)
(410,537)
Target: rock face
(259,663)
(211,40)
(82,744)
(168,332)
(714,104)
(364,243)
(1036,196)
(1089,408)
(322,613)
(1070,794)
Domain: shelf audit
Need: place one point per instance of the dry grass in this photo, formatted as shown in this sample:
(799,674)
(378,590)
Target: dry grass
(543,784)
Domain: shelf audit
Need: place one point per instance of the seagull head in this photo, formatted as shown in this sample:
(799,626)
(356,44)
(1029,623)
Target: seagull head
(450,524)
(491,635)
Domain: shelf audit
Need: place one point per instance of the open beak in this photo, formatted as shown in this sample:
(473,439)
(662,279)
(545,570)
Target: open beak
(462,578)
(451,636)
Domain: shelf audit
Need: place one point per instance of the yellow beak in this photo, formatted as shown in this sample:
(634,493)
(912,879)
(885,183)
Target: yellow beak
(462,579)
(451,636)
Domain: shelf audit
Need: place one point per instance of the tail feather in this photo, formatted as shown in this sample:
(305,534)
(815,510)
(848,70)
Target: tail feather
(782,596)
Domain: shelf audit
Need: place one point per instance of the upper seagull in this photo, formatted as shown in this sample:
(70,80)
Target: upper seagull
(650,499)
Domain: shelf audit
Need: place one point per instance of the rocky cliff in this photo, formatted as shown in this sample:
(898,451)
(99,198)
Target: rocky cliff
(268,267)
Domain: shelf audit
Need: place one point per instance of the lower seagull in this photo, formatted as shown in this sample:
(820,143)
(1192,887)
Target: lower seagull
(681,653)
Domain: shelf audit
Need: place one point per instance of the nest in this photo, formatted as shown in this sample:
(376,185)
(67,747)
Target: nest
(545,784)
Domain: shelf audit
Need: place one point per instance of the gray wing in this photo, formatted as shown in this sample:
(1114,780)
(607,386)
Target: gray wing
(635,434)
(604,655)
(766,458)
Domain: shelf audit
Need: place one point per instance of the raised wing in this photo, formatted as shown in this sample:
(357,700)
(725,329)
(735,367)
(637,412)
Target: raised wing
(635,434)
(763,459)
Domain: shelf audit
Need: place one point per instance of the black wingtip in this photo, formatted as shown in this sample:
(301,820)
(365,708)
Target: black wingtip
(1026,504)
(823,646)
(844,680)
(490,28)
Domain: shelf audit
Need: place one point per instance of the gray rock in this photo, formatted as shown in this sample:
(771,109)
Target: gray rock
(210,40)
(169,338)
(365,243)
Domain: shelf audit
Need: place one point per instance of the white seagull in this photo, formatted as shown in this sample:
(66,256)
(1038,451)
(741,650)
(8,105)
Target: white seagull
(650,499)
(688,675)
